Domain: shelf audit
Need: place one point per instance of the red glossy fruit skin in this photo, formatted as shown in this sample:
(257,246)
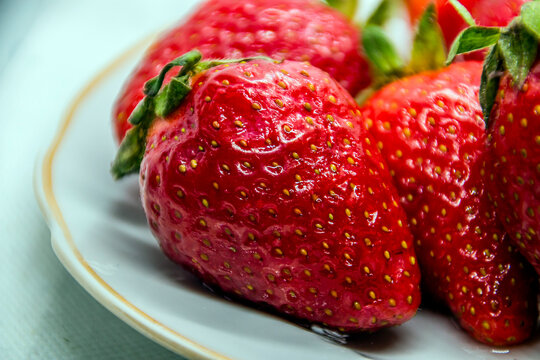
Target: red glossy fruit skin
(286,205)
(282,29)
(514,169)
(484,12)
(416,8)
(431,133)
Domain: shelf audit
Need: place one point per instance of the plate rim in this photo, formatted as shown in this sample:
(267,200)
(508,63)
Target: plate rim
(65,248)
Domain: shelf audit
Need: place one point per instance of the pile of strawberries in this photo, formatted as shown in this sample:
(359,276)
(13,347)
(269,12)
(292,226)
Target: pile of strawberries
(261,174)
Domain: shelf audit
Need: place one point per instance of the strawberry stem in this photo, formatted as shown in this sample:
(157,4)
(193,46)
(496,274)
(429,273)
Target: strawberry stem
(160,101)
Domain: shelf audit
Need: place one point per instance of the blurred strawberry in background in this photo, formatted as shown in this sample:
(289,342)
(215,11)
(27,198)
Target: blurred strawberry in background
(282,29)
(416,8)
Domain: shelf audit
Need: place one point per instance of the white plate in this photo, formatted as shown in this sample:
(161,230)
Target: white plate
(99,233)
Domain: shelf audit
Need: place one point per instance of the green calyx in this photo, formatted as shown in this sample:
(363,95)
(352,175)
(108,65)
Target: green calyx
(160,101)
(428,52)
(463,12)
(384,59)
(513,49)
(346,7)
(380,16)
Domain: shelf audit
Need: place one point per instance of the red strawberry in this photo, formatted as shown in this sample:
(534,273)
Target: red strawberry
(416,8)
(261,185)
(292,29)
(430,130)
(515,165)
(484,13)
(511,97)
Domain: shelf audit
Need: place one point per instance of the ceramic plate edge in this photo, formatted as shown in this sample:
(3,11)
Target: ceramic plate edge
(70,257)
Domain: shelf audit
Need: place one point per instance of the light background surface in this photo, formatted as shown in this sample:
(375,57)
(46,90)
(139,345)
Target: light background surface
(49,49)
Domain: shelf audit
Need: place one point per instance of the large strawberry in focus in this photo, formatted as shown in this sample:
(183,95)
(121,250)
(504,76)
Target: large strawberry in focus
(303,30)
(511,104)
(261,184)
(429,128)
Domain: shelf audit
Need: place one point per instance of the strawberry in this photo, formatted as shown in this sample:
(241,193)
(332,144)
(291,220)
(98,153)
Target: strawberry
(515,166)
(429,128)
(511,84)
(292,29)
(261,185)
(482,12)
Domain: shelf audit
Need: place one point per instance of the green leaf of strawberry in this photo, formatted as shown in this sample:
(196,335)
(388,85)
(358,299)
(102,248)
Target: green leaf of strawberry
(346,7)
(530,17)
(518,49)
(472,39)
(381,14)
(428,52)
(489,82)
(131,151)
(186,61)
(463,12)
(381,52)
(171,96)
(160,103)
